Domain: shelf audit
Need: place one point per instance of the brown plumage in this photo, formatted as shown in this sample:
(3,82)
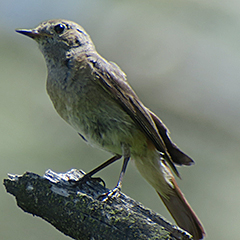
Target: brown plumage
(94,97)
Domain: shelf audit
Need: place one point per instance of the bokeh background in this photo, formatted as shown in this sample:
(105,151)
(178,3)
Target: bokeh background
(182,57)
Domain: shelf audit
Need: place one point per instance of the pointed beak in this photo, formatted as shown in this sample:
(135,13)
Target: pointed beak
(29,32)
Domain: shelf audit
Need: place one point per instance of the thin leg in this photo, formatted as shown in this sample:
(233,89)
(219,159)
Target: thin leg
(126,154)
(102,166)
(115,191)
(88,175)
(122,173)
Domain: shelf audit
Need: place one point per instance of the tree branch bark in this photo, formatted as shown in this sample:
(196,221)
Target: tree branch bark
(75,209)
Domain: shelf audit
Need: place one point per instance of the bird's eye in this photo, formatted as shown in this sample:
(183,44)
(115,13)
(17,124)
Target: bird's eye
(59,28)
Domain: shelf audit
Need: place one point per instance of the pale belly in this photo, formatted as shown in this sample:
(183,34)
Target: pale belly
(109,129)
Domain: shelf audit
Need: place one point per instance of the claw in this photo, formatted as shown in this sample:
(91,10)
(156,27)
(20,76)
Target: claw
(114,193)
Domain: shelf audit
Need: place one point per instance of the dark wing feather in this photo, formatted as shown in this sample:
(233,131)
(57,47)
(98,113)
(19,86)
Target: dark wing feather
(113,80)
(176,154)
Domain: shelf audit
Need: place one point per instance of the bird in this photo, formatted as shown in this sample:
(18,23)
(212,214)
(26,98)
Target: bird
(94,97)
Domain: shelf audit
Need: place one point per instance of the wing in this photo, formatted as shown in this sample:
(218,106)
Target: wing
(113,80)
(176,154)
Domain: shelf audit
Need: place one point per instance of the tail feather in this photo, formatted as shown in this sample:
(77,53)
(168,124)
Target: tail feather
(182,212)
(158,174)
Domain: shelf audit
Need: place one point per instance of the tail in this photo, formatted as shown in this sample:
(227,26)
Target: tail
(157,173)
(182,212)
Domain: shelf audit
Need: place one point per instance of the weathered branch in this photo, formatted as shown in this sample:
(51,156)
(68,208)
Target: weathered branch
(75,210)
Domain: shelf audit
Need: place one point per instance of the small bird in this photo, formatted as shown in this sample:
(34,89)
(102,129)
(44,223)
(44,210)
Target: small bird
(94,97)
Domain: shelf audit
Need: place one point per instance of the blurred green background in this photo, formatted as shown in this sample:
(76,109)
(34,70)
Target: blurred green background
(183,60)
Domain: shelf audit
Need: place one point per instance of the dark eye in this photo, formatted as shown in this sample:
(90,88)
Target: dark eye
(59,28)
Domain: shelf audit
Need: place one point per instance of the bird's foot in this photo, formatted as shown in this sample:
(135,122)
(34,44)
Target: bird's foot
(114,193)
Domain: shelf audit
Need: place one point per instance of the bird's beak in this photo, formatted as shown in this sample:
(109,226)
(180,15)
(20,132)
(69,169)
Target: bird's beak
(32,33)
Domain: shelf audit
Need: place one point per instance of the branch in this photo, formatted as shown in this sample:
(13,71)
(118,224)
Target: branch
(75,210)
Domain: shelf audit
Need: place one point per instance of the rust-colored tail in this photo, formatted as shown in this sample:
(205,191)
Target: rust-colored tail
(182,212)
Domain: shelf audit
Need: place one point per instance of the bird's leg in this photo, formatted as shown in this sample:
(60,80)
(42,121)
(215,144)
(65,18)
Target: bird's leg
(115,191)
(88,175)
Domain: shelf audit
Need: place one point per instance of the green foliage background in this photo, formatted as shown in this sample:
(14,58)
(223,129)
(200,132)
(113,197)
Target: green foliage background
(181,57)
